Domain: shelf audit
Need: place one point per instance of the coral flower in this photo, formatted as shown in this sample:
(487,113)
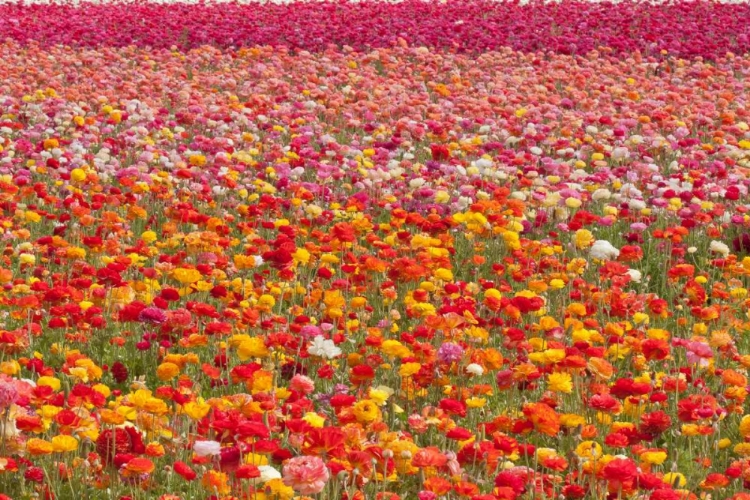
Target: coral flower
(306,474)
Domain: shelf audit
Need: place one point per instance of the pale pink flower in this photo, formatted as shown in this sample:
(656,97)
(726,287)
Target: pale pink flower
(301,383)
(306,474)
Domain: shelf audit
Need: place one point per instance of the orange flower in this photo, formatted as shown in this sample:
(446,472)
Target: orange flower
(429,457)
(216,482)
(137,466)
(37,447)
(544,418)
(437,485)
(167,371)
(735,378)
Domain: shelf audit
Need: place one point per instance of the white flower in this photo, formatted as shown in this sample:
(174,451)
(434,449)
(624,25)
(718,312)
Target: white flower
(620,153)
(719,247)
(323,348)
(267,473)
(635,275)
(603,250)
(601,194)
(692,249)
(258,260)
(474,369)
(206,448)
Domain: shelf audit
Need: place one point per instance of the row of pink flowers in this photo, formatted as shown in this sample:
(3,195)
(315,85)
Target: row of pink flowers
(687,29)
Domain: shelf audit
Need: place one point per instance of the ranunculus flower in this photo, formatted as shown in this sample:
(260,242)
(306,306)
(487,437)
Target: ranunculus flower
(306,474)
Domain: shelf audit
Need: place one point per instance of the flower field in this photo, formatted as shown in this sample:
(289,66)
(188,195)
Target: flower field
(375,251)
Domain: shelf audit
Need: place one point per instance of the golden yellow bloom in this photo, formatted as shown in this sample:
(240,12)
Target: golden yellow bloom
(560,382)
(64,443)
(745,426)
(277,490)
(49,381)
(253,347)
(167,371)
(653,457)
(675,479)
(196,409)
(589,449)
(443,274)
(186,276)
(366,411)
(409,369)
(394,348)
(583,238)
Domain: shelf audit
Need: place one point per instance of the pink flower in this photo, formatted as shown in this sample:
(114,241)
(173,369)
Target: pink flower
(8,394)
(301,383)
(306,474)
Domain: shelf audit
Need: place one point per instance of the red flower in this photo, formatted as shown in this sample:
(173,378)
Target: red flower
(655,423)
(119,372)
(620,472)
(34,474)
(511,480)
(453,407)
(574,492)
(247,471)
(184,470)
(111,442)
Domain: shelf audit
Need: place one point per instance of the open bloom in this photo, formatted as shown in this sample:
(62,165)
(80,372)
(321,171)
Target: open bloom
(306,474)
(324,348)
(206,448)
(604,250)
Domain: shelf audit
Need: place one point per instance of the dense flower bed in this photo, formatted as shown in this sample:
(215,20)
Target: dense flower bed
(344,272)
(687,29)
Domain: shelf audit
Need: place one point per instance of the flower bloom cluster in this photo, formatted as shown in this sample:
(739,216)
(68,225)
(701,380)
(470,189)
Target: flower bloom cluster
(701,28)
(273,261)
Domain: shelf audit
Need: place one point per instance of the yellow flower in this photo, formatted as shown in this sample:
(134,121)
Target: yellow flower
(675,479)
(572,202)
(256,459)
(379,395)
(560,382)
(394,348)
(745,426)
(314,420)
(366,411)
(77,175)
(50,382)
(63,443)
(589,449)
(277,490)
(197,160)
(301,256)
(252,348)
(443,274)
(583,238)
(196,409)
(653,457)
(571,420)
(266,302)
(148,236)
(476,402)
(409,369)
(186,276)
